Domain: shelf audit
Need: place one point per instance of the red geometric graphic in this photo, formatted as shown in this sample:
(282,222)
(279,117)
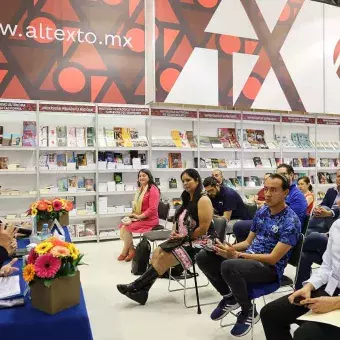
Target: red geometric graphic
(20,32)
(165,12)
(48,84)
(15,90)
(2,58)
(208,3)
(113,95)
(87,56)
(168,78)
(3,74)
(42,24)
(97,83)
(183,53)
(132,6)
(137,39)
(169,38)
(72,80)
(68,42)
(62,11)
(141,88)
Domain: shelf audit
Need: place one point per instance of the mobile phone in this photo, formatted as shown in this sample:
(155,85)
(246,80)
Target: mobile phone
(298,299)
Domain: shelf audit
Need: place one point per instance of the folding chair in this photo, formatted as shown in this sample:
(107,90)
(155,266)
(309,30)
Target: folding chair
(220,225)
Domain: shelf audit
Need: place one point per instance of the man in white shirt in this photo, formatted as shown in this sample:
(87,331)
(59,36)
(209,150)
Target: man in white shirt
(320,294)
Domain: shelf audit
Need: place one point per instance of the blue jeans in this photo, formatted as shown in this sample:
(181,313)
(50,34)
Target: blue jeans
(313,249)
(320,224)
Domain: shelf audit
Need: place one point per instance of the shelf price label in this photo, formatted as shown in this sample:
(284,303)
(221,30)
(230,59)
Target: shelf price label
(173,113)
(123,111)
(67,108)
(325,121)
(298,120)
(261,118)
(22,106)
(220,115)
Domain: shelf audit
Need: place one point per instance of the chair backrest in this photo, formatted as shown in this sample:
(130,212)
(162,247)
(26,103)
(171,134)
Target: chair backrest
(220,225)
(163,210)
(304,227)
(296,253)
(251,207)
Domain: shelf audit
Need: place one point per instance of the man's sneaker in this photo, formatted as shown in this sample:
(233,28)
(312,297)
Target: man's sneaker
(227,304)
(243,323)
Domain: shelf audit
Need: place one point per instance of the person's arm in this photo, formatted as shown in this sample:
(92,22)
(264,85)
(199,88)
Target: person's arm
(227,215)
(154,197)
(298,204)
(229,205)
(3,255)
(241,246)
(205,216)
(320,276)
(310,199)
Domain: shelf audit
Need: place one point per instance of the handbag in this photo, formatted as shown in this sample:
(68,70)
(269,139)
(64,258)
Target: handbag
(141,260)
(169,245)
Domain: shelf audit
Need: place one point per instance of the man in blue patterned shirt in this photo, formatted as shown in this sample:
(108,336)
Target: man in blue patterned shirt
(261,258)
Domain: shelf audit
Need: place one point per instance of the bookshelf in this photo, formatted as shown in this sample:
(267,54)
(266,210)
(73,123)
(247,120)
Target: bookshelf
(153,123)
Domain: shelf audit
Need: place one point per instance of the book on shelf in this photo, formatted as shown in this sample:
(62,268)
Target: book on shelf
(295,139)
(248,163)
(164,142)
(143,158)
(191,139)
(109,137)
(62,184)
(175,134)
(101,137)
(7,139)
(273,144)
(81,159)
(228,137)
(80,137)
(205,142)
(311,162)
(304,141)
(162,162)
(278,161)
(71,137)
(118,136)
(261,143)
(266,163)
(101,156)
(324,177)
(288,160)
(258,162)
(208,163)
(118,177)
(52,160)
(16,139)
(61,136)
(3,163)
(52,136)
(256,180)
(157,181)
(332,177)
(81,182)
(73,182)
(117,157)
(331,162)
(251,138)
(126,158)
(70,157)
(228,183)
(272,162)
(172,183)
(328,146)
(43,136)
(324,162)
(89,184)
(202,162)
(29,138)
(141,142)
(222,163)
(297,163)
(235,182)
(175,160)
(89,157)
(90,136)
(109,156)
(305,162)
(61,159)
(214,163)
(43,160)
(216,143)
(126,137)
(90,207)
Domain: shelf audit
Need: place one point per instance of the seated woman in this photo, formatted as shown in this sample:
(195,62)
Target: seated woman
(144,213)
(306,188)
(196,212)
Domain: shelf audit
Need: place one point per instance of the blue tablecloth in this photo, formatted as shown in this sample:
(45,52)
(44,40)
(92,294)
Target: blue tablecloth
(28,323)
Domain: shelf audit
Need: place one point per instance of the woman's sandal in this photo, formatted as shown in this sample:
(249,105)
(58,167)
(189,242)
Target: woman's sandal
(122,257)
(131,255)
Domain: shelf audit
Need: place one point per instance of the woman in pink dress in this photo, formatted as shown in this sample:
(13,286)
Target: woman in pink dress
(195,215)
(144,213)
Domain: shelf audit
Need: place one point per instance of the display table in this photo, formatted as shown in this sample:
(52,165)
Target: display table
(27,322)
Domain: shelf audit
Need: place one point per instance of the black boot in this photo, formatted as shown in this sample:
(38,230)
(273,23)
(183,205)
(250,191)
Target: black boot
(139,289)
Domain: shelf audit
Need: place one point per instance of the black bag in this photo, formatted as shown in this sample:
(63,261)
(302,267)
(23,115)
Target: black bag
(141,260)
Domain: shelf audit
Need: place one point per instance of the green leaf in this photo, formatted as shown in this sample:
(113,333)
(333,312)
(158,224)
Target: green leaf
(48,283)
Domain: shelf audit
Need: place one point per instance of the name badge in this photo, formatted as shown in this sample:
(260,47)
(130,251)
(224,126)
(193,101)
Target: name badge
(333,281)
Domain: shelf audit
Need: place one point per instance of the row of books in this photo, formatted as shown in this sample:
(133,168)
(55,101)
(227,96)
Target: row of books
(86,229)
(78,183)
(66,136)
(27,138)
(325,178)
(125,158)
(120,137)
(62,160)
(251,197)
(174,160)
(5,165)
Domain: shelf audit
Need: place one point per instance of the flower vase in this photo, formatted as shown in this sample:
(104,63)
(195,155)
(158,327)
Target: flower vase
(64,220)
(63,293)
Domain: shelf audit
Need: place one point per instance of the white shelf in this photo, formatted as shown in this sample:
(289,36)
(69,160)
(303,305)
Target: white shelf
(168,169)
(328,151)
(113,215)
(116,148)
(220,150)
(65,148)
(222,169)
(304,169)
(111,171)
(327,168)
(107,238)
(252,188)
(329,185)
(82,217)
(17,148)
(24,172)
(84,239)
(261,150)
(174,149)
(259,169)
(17,196)
(175,191)
(293,150)
(66,193)
(48,172)
(114,193)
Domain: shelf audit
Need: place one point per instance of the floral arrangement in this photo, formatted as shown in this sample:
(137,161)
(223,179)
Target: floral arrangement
(50,210)
(51,259)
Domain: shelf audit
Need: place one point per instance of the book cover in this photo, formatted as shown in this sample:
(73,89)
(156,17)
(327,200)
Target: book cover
(16,139)
(29,138)
(90,207)
(256,180)
(273,162)
(118,177)
(43,160)
(222,163)
(126,137)
(109,138)
(118,157)
(260,139)
(52,136)
(172,183)
(322,178)
(278,161)
(43,137)
(81,159)
(61,159)
(202,162)
(175,134)
(191,139)
(62,184)
(240,180)
(216,143)
(248,163)
(297,162)
(288,160)
(235,182)
(70,157)
(118,136)
(141,142)
(81,182)
(311,161)
(1,130)
(331,162)
(89,184)
(175,160)
(52,159)
(101,156)
(328,178)
(89,155)
(214,163)
(3,163)
(73,182)
(143,158)
(205,142)
(61,136)
(108,156)
(257,162)
(157,181)
(134,133)
(162,162)
(80,137)
(266,162)
(208,163)
(90,136)
(71,137)
(7,139)
(305,162)
(333,177)
(324,162)
(251,139)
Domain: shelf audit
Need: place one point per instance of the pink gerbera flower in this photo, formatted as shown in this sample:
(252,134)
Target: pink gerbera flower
(46,266)
(32,256)
(57,205)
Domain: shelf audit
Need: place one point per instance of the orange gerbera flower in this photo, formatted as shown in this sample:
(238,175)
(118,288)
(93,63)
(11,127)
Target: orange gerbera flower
(42,206)
(59,251)
(29,273)
(56,242)
(49,208)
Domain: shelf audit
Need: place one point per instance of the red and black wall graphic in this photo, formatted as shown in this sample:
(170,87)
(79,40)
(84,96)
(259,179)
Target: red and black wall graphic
(180,28)
(73,50)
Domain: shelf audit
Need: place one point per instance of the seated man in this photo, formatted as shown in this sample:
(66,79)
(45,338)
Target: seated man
(8,246)
(328,211)
(226,202)
(319,294)
(295,200)
(262,258)
(217,174)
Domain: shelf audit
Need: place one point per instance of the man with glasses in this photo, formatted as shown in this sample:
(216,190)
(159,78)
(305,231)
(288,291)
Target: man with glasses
(295,200)
(226,202)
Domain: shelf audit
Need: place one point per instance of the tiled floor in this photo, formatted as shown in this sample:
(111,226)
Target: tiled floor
(115,317)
